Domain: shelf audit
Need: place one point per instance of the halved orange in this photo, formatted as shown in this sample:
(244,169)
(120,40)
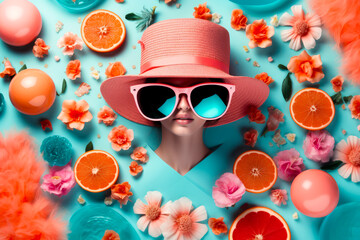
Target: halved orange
(96,171)
(259,223)
(312,109)
(103,31)
(256,170)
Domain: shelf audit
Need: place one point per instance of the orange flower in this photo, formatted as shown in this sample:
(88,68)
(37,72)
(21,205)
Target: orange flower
(337,83)
(217,225)
(238,20)
(70,42)
(75,114)
(259,34)
(202,12)
(119,1)
(135,168)
(139,154)
(264,77)
(73,69)
(40,48)
(110,235)
(354,107)
(250,137)
(115,69)
(306,67)
(255,115)
(106,115)
(120,138)
(121,192)
(84,88)
(9,70)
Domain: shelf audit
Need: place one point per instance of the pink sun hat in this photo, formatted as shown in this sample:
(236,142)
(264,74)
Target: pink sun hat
(185,48)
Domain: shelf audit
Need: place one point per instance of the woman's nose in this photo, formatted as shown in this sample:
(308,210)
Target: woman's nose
(183,103)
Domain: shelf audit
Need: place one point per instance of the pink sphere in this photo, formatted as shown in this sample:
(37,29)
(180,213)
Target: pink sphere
(20,22)
(314,193)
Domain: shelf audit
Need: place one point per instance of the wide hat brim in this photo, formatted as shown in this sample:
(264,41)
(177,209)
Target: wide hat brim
(248,91)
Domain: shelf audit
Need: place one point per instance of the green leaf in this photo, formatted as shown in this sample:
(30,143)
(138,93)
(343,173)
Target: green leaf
(22,68)
(287,87)
(331,165)
(337,98)
(57,94)
(347,98)
(132,17)
(264,131)
(282,67)
(63,88)
(89,147)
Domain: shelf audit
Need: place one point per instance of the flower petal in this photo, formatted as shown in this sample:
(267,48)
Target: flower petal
(142,223)
(313,20)
(153,198)
(287,34)
(183,205)
(76,125)
(154,226)
(355,175)
(308,41)
(345,170)
(139,207)
(199,214)
(295,43)
(286,20)
(316,32)
(198,230)
(169,228)
(298,12)
(165,209)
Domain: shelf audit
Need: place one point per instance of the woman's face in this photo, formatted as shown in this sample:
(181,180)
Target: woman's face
(183,122)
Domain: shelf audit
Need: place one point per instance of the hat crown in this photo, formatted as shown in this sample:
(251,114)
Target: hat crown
(185,41)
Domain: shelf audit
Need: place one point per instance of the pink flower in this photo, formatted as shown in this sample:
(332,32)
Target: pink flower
(274,119)
(250,137)
(139,154)
(120,138)
(73,69)
(289,164)
(106,115)
(59,181)
(305,28)
(319,145)
(349,153)
(279,196)
(182,222)
(228,190)
(40,48)
(259,34)
(70,42)
(154,214)
(75,114)
(135,168)
(354,107)
(9,70)
(337,83)
(255,115)
(83,89)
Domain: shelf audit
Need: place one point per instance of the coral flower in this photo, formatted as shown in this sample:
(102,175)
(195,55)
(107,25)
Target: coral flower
(250,137)
(111,235)
(279,196)
(202,12)
(337,83)
(264,77)
(349,153)
(154,214)
(305,28)
(354,107)
(217,225)
(59,181)
(75,114)
(274,119)
(9,70)
(115,69)
(73,69)
(135,168)
(255,115)
(259,34)
(182,222)
(106,115)
(319,145)
(120,138)
(228,190)
(70,42)
(289,164)
(238,20)
(121,192)
(84,88)
(306,67)
(40,48)
(139,154)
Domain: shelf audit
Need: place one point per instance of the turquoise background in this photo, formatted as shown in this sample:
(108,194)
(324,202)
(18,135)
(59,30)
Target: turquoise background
(231,134)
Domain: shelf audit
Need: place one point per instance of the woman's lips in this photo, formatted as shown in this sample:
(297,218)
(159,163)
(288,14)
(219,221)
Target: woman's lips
(183,121)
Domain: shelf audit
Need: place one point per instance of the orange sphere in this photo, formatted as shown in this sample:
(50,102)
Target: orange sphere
(32,91)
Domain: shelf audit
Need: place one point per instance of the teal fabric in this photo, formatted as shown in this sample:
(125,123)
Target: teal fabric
(198,183)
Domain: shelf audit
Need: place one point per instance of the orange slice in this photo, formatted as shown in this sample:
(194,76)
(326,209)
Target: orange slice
(103,31)
(256,170)
(96,171)
(259,223)
(312,109)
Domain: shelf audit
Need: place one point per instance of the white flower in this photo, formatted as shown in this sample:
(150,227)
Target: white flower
(274,21)
(216,17)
